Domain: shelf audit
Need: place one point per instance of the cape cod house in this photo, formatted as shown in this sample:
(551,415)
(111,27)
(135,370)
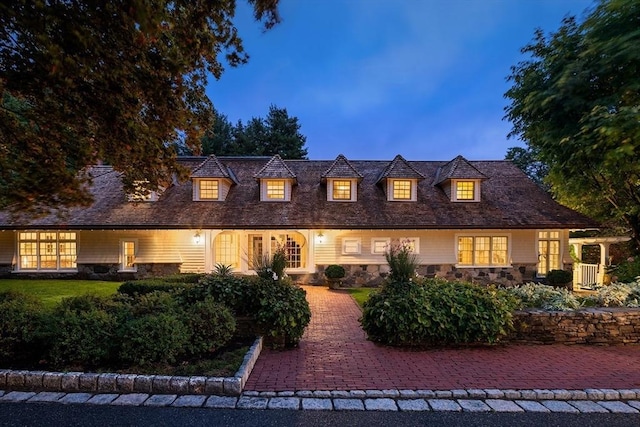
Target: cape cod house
(483,221)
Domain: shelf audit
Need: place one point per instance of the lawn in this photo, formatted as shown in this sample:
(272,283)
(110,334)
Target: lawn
(52,291)
(361,294)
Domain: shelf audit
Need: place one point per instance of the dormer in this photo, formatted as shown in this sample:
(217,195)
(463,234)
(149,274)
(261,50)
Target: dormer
(276,181)
(400,181)
(212,181)
(342,181)
(460,180)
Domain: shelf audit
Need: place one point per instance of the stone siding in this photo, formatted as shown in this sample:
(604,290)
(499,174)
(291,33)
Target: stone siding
(373,275)
(605,326)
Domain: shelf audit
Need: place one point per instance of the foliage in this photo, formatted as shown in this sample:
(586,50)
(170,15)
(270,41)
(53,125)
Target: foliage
(222,270)
(276,134)
(145,286)
(361,294)
(271,267)
(334,271)
(402,261)
(51,291)
(235,292)
(20,315)
(526,159)
(437,312)
(281,310)
(575,102)
(211,325)
(627,271)
(559,277)
(534,295)
(83,82)
(618,295)
(183,278)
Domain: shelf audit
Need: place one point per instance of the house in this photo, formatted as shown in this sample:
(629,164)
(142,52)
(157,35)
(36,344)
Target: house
(482,221)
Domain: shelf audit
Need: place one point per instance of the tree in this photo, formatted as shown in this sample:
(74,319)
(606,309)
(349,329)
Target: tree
(118,82)
(526,159)
(276,134)
(576,103)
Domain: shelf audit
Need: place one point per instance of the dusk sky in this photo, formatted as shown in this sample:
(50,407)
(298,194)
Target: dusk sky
(374,78)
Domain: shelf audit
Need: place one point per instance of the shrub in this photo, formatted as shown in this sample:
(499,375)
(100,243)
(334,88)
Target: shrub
(618,295)
(81,330)
(20,315)
(211,324)
(153,338)
(334,271)
(437,312)
(534,295)
(627,271)
(235,292)
(281,310)
(222,270)
(559,277)
(145,286)
(403,263)
(183,278)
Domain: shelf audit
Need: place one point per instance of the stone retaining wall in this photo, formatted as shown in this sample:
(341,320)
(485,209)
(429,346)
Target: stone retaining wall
(603,326)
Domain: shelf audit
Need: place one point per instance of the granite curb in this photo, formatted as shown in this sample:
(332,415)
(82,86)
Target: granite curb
(73,382)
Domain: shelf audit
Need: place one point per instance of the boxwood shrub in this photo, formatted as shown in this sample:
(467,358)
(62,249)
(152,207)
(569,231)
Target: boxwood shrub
(20,316)
(437,312)
(146,286)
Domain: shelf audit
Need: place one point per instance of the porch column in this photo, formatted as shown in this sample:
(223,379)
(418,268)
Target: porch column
(604,261)
(577,269)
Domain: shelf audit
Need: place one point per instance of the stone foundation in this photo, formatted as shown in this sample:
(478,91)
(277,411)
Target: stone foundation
(372,275)
(603,326)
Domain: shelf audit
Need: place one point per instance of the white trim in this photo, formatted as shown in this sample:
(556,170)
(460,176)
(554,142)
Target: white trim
(454,190)
(414,189)
(351,246)
(385,240)
(509,263)
(354,189)
(121,261)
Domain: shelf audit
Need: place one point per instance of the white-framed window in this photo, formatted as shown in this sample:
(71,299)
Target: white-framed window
(128,249)
(341,190)
(275,190)
(465,190)
(379,245)
(411,243)
(548,252)
(401,189)
(47,250)
(208,189)
(293,244)
(225,249)
(351,245)
(483,250)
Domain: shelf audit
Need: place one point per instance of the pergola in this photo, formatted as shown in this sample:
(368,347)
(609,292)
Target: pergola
(585,275)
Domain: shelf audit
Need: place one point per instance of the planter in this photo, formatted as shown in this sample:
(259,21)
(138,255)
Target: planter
(334,283)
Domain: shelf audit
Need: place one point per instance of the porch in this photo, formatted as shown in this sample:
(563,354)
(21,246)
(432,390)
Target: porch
(586,275)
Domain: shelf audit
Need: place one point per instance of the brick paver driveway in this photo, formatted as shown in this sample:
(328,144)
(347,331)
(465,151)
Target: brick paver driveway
(334,354)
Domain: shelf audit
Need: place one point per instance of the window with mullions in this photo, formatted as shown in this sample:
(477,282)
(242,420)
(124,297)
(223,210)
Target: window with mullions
(482,250)
(401,189)
(209,189)
(465,190)
(49,250)
(275,189)
(548,252)
(341,190)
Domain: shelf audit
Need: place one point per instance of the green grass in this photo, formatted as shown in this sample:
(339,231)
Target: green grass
(52,291)
(361,294)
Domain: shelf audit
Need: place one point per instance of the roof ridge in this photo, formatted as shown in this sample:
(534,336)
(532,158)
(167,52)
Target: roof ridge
(211,167)
(393,165)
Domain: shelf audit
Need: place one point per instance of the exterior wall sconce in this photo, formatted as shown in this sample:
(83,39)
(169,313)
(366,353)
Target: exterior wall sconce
(320,237)
(197,238)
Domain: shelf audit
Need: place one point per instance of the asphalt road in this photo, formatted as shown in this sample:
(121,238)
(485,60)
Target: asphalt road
(34,414)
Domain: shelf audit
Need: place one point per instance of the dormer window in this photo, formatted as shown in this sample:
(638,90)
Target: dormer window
(209,189)
(342,190)
(275,189)
(465,191)
(402,190)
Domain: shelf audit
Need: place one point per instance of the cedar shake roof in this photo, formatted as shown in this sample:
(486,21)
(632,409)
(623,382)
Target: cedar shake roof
(212,168)
(275,168)
(341,168)
(510,200)
(400,168)
(458,168)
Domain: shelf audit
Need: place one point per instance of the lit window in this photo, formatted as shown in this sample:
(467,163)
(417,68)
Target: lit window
(548,252)
(482,250)
(209,190)
(380,245)
(341,190)
(351,246)
(465,190)
(128,255)
(226,249)
(47,251)
(401,189)
(275,189)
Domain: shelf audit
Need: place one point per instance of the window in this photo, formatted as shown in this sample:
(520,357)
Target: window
(209,189)
(292,243)
(275,189)
(402,189)
(226,249)
(351,246)
(482,250)
(465,190)
(380,245)
(48,250)
(341,189)
(128,255)
(548,252)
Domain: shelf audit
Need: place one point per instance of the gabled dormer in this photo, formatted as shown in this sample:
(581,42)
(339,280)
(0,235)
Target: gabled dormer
(400,181)
(460,180)
(342,181)
(276,181)
(212,181)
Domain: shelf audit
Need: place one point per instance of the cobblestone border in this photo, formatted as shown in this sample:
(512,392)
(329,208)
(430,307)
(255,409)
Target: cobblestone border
(70,382)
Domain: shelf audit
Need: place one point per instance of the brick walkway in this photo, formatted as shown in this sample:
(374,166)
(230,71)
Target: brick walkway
(335,355)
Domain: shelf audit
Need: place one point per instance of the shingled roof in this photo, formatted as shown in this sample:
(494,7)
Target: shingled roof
(341,168)
(510,200)
(400,168)
(275,168)
(213,168)
(458,168)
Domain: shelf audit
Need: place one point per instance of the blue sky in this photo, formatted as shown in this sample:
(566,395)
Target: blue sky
(374,78)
